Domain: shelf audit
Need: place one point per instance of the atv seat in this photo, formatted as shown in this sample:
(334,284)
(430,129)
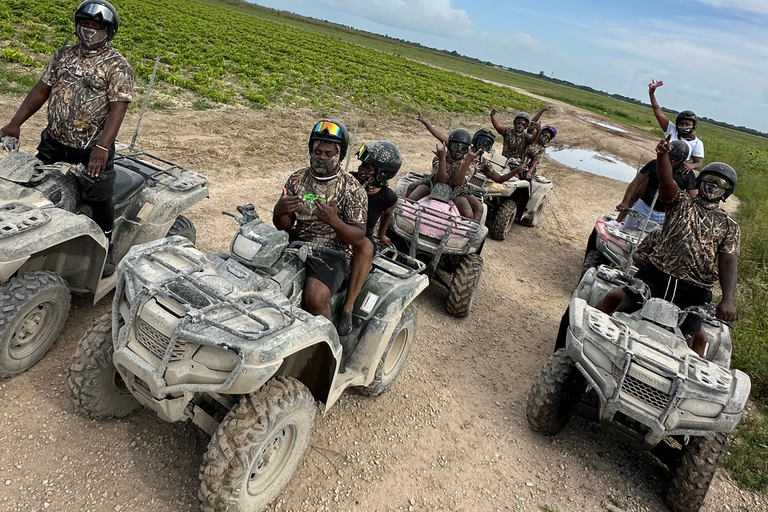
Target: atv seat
(127,184)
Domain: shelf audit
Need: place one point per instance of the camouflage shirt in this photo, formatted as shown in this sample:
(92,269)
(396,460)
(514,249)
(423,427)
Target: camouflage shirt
(452,166)
(82,85)
(482,164)
(693,234)
(514,143)
(534,153)
(352,202)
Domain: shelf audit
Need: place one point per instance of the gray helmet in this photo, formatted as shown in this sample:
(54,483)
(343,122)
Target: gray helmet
(483,133)
(522,115)
(100,11)
(459,141)
(687,114)
(680,151)
(722,170)
(384,157)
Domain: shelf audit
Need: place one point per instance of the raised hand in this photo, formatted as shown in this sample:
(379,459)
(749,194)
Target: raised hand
(440,151)
(664,145)
(287,205)
(493,112)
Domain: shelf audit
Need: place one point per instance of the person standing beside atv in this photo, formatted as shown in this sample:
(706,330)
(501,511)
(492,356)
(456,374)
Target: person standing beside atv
(697,246)
(523,133)
(324,205)
(379,162)
(684,128)
(450,165)
(641,191)
(88,87)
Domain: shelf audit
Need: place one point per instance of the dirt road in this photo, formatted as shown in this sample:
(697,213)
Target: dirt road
(450,435)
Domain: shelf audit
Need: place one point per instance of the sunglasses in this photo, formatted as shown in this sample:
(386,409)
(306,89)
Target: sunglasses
(716,180)
(330,128)
(101,11)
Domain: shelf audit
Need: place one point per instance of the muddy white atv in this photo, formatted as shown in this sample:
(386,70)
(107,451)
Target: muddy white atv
(220,339)
(432,230)
(515,199)
(611,244)
(50,247)
(636,376)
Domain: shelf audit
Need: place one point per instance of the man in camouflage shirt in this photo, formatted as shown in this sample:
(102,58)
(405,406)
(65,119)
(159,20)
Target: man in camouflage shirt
(323,204)
(535,152)
(697,246)
(523,132)
(88,87)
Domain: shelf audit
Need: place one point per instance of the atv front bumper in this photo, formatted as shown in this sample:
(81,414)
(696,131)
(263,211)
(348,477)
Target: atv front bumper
(645,392)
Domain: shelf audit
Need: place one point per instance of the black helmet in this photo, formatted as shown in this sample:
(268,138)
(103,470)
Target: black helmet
(551,129)
(483,133)
(721,170)
(687,114)
(522,115)
(680,151)
(330,130)
(459,141)
(384,157)
(100,11)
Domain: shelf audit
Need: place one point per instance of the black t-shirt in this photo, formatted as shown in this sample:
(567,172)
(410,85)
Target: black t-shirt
(378,203)
(685,180)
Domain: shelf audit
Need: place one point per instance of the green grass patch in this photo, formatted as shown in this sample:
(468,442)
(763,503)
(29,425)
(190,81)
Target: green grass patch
(16,82)
(161,105)
(751,439)
(201,104)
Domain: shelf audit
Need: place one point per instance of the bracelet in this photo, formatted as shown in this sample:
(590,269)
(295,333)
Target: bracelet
(101,147)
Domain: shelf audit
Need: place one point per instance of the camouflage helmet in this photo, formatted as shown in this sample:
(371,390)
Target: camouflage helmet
(483,133)
(99,11)
(384,157)
(680,151)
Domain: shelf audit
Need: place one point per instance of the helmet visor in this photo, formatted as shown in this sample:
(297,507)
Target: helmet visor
(458,148)
(484,142)
(98,11)
(717,181)
(328,127)
(364,155)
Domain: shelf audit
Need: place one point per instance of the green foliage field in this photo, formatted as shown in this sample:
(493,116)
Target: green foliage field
(259,57)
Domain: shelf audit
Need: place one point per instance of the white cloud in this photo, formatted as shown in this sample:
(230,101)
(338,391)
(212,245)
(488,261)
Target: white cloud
(435,17)
(753,6)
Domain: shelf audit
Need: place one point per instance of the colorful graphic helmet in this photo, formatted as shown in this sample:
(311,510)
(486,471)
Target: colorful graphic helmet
(330,130)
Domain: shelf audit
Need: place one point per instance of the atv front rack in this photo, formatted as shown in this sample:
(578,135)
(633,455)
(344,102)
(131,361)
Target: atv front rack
(159,170)
(204,307)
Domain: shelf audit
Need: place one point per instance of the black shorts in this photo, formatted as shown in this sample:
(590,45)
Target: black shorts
(664,286)
(330,268)
(93,190)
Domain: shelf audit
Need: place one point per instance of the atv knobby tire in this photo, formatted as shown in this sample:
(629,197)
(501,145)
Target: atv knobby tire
(393,359)
(465,281)
(694,473)
(182,226)
(557,389)
(257,447)
(503,220)
(537,215)
(33,309)
(593,259)
(96,388)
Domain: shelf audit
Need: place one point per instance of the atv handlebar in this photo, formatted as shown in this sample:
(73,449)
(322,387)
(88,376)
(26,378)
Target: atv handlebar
(10,144)
(247,212)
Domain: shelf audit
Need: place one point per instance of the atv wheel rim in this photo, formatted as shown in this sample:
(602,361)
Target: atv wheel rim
(272,459)
(33,330)
(395,352)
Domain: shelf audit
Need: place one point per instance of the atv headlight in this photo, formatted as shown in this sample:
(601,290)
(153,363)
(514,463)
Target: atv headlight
(457,242)
(701,407)
(245,248)
(404,225)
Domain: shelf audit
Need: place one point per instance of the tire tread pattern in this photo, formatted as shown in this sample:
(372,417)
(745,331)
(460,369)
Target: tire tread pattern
(694,474)
(497,229)
(464,284)
(549,390)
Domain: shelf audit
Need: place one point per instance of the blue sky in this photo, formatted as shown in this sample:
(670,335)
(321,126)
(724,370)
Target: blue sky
(711,54)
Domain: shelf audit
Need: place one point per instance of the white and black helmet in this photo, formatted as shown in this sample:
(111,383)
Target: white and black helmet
(100,11)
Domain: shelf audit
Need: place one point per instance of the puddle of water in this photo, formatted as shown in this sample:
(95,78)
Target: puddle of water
(593,162)
(610,127)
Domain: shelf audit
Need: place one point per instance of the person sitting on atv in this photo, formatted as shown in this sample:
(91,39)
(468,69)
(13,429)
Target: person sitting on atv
(88,87)
(684,128)
(523,133)
(379,162)
(451,165)
(324,205)
(697,246)
(641,191)
(535,152)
